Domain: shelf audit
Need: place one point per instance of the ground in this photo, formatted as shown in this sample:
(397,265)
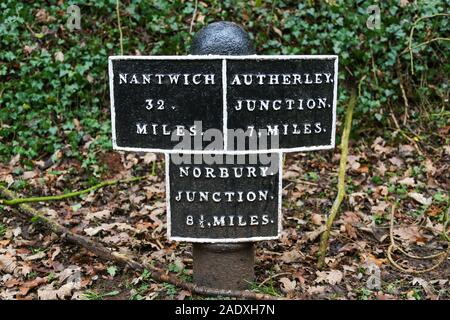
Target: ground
(383,169)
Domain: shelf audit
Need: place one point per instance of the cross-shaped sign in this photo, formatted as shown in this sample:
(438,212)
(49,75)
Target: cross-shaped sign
(223,117)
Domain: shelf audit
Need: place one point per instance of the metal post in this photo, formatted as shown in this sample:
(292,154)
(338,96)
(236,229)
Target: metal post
(223,265)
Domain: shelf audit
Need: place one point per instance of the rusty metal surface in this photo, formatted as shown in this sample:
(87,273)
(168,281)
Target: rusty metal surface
(224,266)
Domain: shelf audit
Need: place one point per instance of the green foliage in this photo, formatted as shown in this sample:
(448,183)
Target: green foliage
(54,86)
(112,271)
(2,230)
(171,290)
(94,295)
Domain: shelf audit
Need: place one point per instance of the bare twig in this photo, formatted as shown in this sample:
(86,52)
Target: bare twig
(405,135)
(119,26)
(272,277)
(412,33)
(395,247)
(16,201)
(193,16)
(323,247)
(106,254)
(402,89)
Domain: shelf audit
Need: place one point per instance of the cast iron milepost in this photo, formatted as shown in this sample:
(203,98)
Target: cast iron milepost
(149,103)
(223,265)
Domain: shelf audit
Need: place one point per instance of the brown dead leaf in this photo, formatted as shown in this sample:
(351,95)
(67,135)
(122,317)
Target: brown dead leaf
(406,150)
(59,56)
(408,181)
(410,234)
(103,214)
(434,211)
(316,290)
(313,235)
(287,285)
(331,277)
(396,161)
(426,287)
(420,198)
(381,168)
(429,167)
(317,219)
(36,256)
(380,207)
(183,294)
(277,31)
(291,256)
(363,169)
(29,175)
(353,162)
(29,285)
(50,293)
(378,146)
(7,263)
(149,158)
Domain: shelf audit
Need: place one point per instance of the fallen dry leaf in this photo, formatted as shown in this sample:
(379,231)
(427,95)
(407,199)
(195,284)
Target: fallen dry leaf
(7,263)
(317,219)
(49,293)
(103,214)
(396,161)
(410,234)
(420,198)
(287,285)
(27,286)
(407,181)
(380,207)
(36,256)
(331,277)
(291,256)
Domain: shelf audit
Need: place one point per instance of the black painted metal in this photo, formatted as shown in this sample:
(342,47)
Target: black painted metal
(226,266)
(248,193)
(183,104)
(224,38)
(301,124)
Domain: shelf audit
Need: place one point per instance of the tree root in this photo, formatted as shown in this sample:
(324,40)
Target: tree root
(106,254)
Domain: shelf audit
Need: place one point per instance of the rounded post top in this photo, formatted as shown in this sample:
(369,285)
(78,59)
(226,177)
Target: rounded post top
(222,38)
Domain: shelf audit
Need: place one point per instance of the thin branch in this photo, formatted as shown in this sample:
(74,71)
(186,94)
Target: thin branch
(16,201)
(193,17)
(412,33)
(119,26)
(405,135)
(430,41)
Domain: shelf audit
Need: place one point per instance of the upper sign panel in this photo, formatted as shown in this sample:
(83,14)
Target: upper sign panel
(156,99)
(288,101)
(263,103)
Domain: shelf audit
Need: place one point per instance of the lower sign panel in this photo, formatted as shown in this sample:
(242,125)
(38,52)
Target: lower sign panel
(223,198)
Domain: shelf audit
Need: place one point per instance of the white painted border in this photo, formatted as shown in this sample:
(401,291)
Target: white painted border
(111,97)
(225,113)
(224,105)
(224,240)
(221,57)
